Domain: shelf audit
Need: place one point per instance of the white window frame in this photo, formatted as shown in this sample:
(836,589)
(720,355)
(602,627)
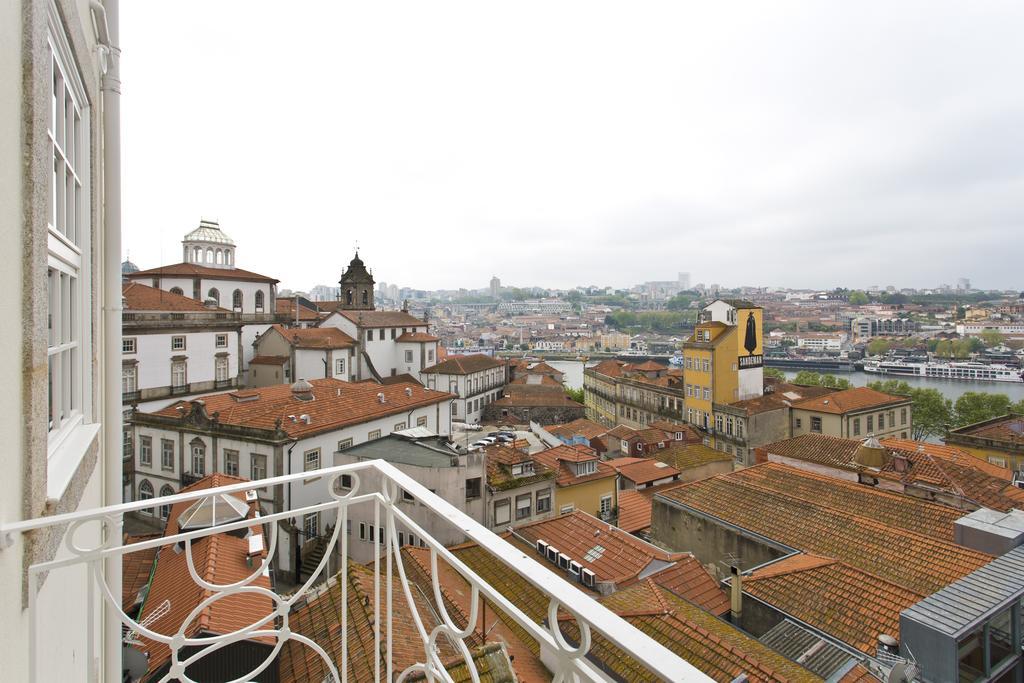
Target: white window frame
(311,460)
(230,455)
(505,505)
(174,341)
(146,451)
(129,345)
(221,369)
(339,366)
(219,339)
(164,452)
(184,374)
(408,355)
(129,379)
(71,427)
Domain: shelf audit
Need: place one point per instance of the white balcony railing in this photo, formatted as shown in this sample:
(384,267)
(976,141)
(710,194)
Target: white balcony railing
(569,662)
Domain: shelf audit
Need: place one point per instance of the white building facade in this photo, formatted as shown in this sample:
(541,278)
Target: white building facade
(475,380)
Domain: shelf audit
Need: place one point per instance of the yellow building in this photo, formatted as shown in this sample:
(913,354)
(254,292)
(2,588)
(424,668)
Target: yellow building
(723,361)
(583,481)
(999,441)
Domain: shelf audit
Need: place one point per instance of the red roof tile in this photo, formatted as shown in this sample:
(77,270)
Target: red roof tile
(464,365)
(206,272)
(850,400)
(335,404)
(139,297)
(314,337)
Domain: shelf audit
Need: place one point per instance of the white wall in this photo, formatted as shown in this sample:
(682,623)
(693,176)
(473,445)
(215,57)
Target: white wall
(154,353)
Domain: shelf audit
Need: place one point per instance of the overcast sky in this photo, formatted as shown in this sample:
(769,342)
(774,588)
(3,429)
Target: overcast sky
(554,143)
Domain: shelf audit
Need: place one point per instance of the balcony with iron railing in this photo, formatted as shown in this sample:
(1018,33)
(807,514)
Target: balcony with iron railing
(574,620)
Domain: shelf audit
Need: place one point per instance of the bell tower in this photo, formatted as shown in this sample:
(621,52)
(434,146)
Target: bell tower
(356,287)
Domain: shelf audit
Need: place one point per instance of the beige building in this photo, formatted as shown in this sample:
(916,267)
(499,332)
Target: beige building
(852,413)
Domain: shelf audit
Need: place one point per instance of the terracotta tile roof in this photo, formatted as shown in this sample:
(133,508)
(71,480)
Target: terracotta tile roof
(683,577)
(417,337)
(559,457)
(136,569)
(831,451)
(929,466)
(219,559)
(644,471)
(286,307)
(634,511)
(500,459)
(950,453)
(1008,429)
(845,602)
(850,400)
(783,395)
(537,380)
(206,272)
(688,579)
(382,319)
(609,368)
(650,437)
(611,553)
(684,456)
(139,297)
(335,404)
(649,366)
(269,360)
(543,368)
(872,530)
(535,396)
(315,337)
(621,432)
(670,429)
(319,618)
(710,644)
(464,365)
(580,427)
(457,594)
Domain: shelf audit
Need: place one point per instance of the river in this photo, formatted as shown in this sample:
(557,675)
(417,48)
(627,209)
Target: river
(951,389)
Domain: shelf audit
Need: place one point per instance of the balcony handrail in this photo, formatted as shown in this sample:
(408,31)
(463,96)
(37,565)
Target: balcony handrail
(569,658)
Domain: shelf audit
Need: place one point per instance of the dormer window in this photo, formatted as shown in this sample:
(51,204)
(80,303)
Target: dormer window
(522,469)
(586,467)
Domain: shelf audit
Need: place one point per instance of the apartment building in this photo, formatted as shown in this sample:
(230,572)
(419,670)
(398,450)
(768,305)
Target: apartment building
(311,353)
(476,380)
(519,488)
(852,413)
(633,394)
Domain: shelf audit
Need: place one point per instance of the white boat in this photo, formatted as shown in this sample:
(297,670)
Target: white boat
(966,370)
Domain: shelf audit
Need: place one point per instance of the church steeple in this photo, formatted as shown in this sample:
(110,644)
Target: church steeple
(356,287)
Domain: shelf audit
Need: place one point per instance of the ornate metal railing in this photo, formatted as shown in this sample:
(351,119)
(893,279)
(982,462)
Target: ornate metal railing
(567,659)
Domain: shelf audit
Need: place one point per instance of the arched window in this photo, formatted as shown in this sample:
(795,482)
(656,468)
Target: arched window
(348,297)
(220,257)
(259,301)
(214,294)
(177,290)
(146,493)
(366,298)
(165,510)
(227,257)
(209,255)
(197,254)
(236,300)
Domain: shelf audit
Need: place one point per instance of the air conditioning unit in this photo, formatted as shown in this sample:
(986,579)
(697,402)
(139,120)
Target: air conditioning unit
(587,577)
(542,547)
(563,561)
(574,569)
(552,554)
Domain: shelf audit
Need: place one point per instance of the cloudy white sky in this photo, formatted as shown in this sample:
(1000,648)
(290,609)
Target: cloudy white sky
(562,143)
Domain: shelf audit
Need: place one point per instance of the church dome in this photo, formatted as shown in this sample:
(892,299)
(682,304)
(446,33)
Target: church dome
(127,267)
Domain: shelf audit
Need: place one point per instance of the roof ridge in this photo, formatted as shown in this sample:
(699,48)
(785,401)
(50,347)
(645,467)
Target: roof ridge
(773,570)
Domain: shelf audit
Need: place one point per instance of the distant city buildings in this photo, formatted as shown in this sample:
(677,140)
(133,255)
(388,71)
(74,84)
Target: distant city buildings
(495,287)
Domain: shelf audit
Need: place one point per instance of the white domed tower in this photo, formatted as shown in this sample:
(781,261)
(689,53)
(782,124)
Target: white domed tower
(208,246)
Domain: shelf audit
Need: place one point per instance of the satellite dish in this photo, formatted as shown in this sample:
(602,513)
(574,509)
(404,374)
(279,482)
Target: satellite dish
(134,663)
(898,673)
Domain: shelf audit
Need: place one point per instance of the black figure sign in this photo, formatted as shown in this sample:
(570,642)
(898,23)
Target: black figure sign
(750,340)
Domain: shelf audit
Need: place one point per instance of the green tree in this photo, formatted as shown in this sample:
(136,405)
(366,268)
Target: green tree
(858,298)
(992,337)
(977,406)
(816,379)
(680,302)
(878,347)
(775,373)
(575,394)
(944,348)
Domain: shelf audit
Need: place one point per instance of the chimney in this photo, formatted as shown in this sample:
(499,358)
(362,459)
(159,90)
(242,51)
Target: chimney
(871,454)
(736,596)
